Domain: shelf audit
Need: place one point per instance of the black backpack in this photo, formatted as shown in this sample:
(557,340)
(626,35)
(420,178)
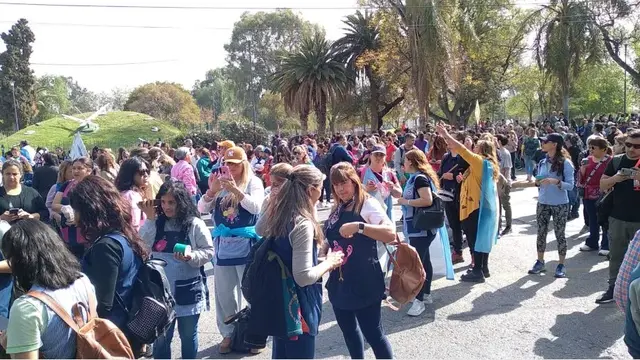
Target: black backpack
(262,288)
(327,162)
(152,309)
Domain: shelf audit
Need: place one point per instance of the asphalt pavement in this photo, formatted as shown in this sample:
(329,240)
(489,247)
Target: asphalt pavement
(512,315)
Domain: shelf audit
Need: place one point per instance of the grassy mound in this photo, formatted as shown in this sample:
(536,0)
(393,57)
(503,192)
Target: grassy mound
(117,129)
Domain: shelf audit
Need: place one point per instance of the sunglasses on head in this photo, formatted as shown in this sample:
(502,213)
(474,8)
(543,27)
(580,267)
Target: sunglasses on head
(143,172)
(630,145)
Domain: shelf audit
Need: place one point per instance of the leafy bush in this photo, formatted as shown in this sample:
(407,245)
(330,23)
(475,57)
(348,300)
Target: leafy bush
(199,138)
(242,131)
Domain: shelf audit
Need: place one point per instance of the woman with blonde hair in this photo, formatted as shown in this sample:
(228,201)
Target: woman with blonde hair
(478,201)
(356,289)
(235,199)
(292,224)
(300,156)
(419,192)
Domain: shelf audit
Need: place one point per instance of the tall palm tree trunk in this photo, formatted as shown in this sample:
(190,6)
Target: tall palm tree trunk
(321,114)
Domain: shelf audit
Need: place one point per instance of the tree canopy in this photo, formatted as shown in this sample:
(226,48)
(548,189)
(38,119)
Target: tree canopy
(165,101)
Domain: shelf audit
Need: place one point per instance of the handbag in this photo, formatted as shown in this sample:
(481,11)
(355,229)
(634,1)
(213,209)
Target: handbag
(604,205)
(581,189)
(431,217)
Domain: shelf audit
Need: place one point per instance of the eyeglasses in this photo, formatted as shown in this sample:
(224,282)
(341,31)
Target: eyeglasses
(296,153)
(631,145)
(144,172)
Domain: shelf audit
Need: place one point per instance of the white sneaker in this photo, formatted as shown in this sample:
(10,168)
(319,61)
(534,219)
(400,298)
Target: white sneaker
(417,308)
(603,252)
(587,248)
(428,300)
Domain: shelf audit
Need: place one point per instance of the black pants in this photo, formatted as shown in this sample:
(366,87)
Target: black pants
(367,322)
(422,247)
(513,166)
(326,189)
(470,228)
(452,209)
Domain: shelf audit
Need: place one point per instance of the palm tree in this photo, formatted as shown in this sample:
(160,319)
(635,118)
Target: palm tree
(361,39)
(565,41)
(310,78)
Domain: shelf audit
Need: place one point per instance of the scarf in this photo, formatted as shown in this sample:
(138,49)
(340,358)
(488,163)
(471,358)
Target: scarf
(488,215)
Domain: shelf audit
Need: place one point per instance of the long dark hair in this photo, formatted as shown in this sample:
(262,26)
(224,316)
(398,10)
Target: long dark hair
(38,256)
(128,170)
(101,210)
(186,210)
(557,162)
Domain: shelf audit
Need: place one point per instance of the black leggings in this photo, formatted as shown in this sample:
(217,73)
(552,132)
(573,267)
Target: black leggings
(452,208)
(370,326)
(470,227)
(422,247)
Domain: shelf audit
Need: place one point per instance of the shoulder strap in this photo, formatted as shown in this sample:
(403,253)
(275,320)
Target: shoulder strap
(617,160)
(62,313)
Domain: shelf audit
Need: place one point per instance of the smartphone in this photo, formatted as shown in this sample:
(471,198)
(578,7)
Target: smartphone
(224,172)
(584,161)
(157,202)
(14,211)
(627,172)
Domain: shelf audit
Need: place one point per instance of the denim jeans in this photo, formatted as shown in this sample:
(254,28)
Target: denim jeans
(303,348)
(574,202)
(529,165)
(188,330)
(355,323)
(326,189)
(594,229)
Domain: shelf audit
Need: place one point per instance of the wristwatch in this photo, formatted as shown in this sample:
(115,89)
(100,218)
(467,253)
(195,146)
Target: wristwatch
(361,228)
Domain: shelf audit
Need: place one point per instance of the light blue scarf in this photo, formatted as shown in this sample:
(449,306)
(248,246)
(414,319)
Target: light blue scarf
(222,230)
(488,215)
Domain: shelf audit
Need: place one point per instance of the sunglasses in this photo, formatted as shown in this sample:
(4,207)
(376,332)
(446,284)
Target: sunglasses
(144,172)
(296,153)
(630,145)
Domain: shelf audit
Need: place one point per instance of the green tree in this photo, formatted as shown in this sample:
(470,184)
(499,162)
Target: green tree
(52,94)
(273,115)
(311,78)
(598,90)
(165,101)
(360,48)
(215,92)
(14,65)
(257,42)
(563,45)
(82,100)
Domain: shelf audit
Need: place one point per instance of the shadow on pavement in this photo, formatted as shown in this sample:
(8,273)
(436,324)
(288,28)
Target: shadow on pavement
(582,335)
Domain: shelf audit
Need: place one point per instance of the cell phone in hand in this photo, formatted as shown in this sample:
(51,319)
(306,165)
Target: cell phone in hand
(584,162)
(224,172)
(14,211)
(627,172)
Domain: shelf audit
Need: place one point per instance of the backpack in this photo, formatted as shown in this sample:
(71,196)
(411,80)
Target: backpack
(604,205)
(408,273)
(327,161)
(152,309)
(95,338)
(262,288)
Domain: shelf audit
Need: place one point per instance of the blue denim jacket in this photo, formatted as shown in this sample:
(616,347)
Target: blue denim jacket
(554,194)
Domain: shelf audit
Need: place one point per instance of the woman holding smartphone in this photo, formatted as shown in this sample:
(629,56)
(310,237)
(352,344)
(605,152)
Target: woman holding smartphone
(18,201)
(234,198)
(176,234)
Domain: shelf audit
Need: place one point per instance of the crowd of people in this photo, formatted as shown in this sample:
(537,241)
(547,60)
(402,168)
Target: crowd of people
(81,228)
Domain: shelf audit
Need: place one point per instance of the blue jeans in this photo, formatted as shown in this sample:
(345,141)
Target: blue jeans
(529,165)
(303,348)
(370,326)
(594,228)
(188,330)
(574,202)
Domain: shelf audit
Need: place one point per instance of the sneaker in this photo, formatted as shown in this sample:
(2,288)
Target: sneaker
(560,271)
(606,298)
(417,308)
(603,252)
(428,299)
(586,247)
(537,268)
(473,276)
(486,273)
(457,258)
(506,231)
(572,217)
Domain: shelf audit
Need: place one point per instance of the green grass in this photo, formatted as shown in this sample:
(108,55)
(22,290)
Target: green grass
(117,129)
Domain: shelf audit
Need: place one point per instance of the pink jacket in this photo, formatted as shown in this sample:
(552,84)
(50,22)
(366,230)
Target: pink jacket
(137,216)
(183,171)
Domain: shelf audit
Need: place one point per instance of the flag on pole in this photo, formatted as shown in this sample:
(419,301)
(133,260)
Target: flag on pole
(77,148)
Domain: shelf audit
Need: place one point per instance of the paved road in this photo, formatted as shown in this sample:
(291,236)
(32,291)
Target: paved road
(512,315)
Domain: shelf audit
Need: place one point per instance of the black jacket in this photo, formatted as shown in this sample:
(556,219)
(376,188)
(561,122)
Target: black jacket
(44,178)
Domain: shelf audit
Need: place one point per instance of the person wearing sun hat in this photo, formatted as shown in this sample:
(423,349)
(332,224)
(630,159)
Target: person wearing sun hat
(234,199)
(222,148)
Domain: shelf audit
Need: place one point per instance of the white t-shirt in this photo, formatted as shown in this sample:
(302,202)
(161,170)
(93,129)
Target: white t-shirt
(373,213)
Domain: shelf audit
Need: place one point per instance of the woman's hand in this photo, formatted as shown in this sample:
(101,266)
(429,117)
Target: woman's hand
(403,201)
(334,259)
(447,176)
(8,217)
(3,339)
(549,181)
(371,186)
(178,256)
(24,215)
(442,130)
(459,178)
(228,184)
(348,230)
(148,207)
(214,186)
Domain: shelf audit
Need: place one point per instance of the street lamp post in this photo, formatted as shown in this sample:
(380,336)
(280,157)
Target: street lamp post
(15,105)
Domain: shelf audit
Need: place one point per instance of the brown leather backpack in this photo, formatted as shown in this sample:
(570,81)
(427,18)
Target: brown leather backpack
(96,338)
(408,273)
